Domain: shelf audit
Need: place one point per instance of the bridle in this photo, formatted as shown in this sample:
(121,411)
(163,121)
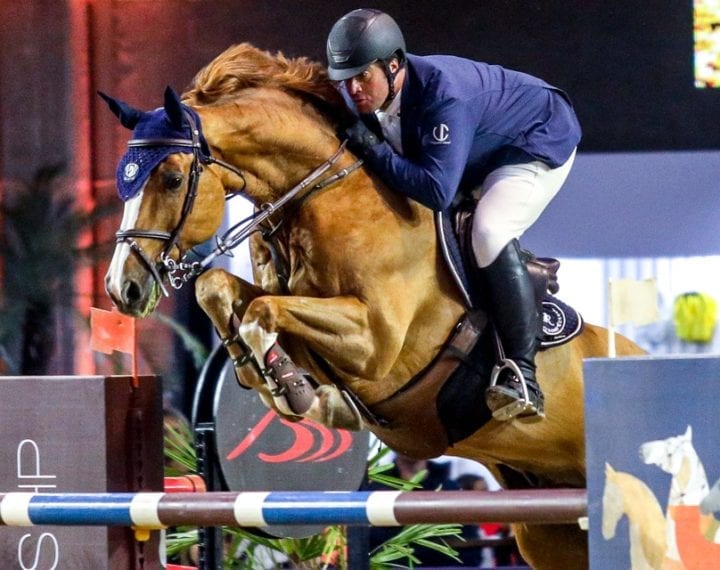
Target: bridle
(181,271)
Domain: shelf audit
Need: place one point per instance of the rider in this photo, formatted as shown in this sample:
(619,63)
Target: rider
(439,128)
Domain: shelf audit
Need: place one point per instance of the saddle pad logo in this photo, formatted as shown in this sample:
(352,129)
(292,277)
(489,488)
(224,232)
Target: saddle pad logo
(131,171)
(441,134)
(553,319)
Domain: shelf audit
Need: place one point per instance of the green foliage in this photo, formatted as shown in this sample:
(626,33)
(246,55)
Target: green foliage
(377,473)
(40,238)
(313,552)
(182,541)
(402,545)
(39,244)
(180,457)
(197,350)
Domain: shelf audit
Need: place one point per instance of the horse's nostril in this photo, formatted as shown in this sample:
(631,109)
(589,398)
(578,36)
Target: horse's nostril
(131,292)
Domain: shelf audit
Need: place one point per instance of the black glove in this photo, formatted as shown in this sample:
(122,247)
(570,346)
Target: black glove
(359,138)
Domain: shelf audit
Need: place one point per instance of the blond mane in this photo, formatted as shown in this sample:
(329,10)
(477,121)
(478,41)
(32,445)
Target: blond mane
(243,66)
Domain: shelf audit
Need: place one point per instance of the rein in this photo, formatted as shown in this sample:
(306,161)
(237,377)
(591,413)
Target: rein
(180,272)
(245,228)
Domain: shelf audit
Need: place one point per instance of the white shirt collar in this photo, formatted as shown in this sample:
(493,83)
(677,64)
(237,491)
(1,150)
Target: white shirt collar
(390,123)
(393,108)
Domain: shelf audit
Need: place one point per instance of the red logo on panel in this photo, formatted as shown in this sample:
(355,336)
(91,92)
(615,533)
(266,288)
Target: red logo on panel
(312,442)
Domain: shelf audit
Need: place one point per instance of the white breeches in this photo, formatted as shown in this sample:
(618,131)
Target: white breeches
(511,199)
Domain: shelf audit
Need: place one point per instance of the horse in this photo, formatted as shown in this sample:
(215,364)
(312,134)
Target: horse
(688,546)
(626,495)
(351,300)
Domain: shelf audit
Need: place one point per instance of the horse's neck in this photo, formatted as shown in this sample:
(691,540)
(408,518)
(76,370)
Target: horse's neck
(638,559)
(639,501)
(689,485)
(275,154)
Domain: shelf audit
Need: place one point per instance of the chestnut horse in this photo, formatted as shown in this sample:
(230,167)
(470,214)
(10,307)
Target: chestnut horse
(369,303)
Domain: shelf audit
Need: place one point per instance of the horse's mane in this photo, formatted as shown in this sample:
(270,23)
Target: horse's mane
(243,66)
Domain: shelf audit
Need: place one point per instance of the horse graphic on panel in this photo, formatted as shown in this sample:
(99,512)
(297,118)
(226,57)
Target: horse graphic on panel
(626,495)
(692,544)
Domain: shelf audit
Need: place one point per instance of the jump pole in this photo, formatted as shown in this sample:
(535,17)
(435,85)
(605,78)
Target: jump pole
(149,511)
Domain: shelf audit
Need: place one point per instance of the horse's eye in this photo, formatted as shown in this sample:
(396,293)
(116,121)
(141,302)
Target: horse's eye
(173,180)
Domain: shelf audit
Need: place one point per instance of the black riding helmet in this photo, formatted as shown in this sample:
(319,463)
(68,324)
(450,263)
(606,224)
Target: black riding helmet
(359,39)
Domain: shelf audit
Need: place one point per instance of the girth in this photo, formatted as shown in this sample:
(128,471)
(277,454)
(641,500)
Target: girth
(413,426)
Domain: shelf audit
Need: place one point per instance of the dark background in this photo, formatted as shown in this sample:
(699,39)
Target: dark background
(628,66)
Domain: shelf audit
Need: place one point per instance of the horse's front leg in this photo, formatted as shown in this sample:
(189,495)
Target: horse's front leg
(336,329)
(224,298)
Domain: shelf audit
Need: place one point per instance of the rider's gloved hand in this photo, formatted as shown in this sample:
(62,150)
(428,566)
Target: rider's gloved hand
(359,138)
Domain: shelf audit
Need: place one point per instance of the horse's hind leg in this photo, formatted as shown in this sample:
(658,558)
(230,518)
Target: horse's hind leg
(553,546)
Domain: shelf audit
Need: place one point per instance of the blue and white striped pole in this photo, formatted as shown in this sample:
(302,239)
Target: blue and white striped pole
(261,509)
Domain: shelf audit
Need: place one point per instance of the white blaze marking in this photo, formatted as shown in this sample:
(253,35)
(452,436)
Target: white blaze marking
(122,249)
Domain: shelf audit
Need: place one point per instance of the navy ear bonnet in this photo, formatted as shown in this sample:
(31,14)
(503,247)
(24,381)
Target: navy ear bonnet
(159,129)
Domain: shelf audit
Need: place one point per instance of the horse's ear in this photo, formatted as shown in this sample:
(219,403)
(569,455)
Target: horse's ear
(128,116)
(173,108)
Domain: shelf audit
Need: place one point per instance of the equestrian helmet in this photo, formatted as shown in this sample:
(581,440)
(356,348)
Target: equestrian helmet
(360,38)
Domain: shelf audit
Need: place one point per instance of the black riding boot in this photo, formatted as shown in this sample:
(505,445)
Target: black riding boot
(514,391)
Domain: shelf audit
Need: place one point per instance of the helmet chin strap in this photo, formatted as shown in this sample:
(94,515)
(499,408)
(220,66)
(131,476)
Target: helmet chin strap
(390,75)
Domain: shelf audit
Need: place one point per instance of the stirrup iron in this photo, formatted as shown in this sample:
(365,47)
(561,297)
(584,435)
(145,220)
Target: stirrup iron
(518,407)
(523,408)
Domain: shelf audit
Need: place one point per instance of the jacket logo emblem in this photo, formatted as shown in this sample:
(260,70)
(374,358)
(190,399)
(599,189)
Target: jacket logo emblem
(441,134)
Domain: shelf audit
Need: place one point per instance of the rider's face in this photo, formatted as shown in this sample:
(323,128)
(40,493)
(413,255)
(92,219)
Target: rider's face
(368,89)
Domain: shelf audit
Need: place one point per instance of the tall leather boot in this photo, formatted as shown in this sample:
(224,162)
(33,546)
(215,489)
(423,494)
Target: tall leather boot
(514,391)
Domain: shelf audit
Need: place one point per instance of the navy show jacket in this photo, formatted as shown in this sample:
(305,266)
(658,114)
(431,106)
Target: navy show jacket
(460,119)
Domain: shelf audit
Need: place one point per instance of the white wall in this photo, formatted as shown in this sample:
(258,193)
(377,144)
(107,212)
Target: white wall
(584,285)
(650,204)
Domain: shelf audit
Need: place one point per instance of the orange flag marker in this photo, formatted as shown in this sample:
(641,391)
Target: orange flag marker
(112,331)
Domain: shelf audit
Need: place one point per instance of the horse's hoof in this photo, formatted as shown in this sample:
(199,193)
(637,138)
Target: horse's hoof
(336,411)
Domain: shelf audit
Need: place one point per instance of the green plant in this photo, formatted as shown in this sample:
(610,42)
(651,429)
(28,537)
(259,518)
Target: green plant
(318,551)
(196,349)
(40,248)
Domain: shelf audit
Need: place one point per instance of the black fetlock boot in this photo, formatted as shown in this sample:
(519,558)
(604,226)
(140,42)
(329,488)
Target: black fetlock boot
(514,391)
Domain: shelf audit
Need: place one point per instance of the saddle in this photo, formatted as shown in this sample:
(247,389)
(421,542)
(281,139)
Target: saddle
(560,321)
(457,228)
